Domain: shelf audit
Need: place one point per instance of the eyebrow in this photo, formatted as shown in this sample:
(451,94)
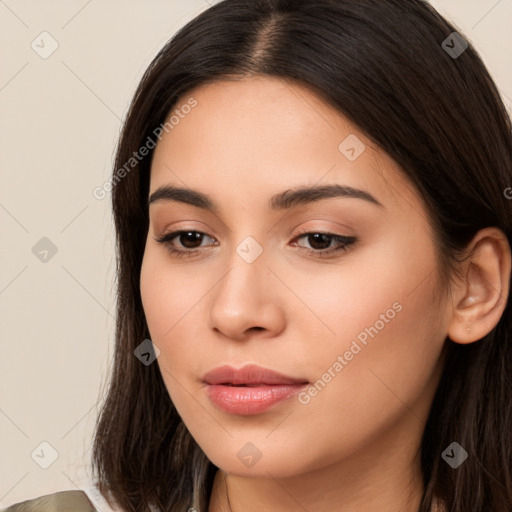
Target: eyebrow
(284,200)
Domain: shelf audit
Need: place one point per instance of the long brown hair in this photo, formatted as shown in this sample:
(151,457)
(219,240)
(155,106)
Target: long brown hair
(386,65)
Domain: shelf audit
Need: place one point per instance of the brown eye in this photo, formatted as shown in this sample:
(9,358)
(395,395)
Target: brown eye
(320,243)
(189,241)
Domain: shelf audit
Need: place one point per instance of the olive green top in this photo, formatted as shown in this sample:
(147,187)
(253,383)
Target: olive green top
(64,501)
(77,501)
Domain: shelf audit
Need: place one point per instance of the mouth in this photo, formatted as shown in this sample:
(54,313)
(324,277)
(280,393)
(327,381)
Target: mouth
(249,375)
(249,390)
(244,385)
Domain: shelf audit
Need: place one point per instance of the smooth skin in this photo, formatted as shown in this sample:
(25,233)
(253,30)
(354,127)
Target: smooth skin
(355,445)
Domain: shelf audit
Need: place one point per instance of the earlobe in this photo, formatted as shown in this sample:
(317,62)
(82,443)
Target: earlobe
(481,295)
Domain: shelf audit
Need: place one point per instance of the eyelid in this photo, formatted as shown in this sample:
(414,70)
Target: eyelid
(183,226)
(333,227)
(303,231)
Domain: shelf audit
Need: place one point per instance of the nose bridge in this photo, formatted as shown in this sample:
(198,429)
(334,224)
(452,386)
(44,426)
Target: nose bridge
(245,298)
(247,264)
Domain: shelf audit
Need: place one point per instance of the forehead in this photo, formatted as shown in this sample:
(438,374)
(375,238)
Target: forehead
(254,137)
(258,111)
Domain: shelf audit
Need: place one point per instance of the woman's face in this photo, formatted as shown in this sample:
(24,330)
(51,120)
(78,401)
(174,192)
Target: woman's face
(356,322)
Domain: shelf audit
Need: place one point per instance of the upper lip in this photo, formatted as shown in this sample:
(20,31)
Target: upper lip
(250,374)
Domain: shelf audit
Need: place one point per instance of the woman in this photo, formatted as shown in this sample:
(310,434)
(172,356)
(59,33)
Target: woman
(313,218)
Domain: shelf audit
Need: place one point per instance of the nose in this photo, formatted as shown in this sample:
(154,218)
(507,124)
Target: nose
(245,303)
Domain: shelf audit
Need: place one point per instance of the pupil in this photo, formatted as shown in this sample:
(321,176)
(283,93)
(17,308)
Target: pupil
(321,238)
(193,236)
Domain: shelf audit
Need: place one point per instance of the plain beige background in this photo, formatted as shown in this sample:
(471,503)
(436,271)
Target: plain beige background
(60,119)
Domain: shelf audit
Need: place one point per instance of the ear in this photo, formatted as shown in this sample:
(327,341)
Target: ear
(480,297)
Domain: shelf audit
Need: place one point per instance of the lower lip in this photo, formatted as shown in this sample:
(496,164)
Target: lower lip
(246,400)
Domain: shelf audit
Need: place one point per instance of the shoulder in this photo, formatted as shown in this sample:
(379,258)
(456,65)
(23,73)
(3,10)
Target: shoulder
(63,501)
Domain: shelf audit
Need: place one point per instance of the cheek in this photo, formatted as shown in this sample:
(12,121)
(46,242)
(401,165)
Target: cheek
(385,350)
(172,297)
(385,374)
(381,361)
(168,293)
(386,321)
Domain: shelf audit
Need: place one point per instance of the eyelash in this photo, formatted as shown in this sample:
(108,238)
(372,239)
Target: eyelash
(345,243)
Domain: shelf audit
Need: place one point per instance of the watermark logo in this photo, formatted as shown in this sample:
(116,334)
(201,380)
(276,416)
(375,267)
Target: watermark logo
(44,455)
(454,45)
(147,352)
(249,454)
(454,455)
(44,250)
(44,45)
(351,147)
(248,249)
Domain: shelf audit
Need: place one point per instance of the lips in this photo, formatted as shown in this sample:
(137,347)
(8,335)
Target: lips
(249,375)
(249,390)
